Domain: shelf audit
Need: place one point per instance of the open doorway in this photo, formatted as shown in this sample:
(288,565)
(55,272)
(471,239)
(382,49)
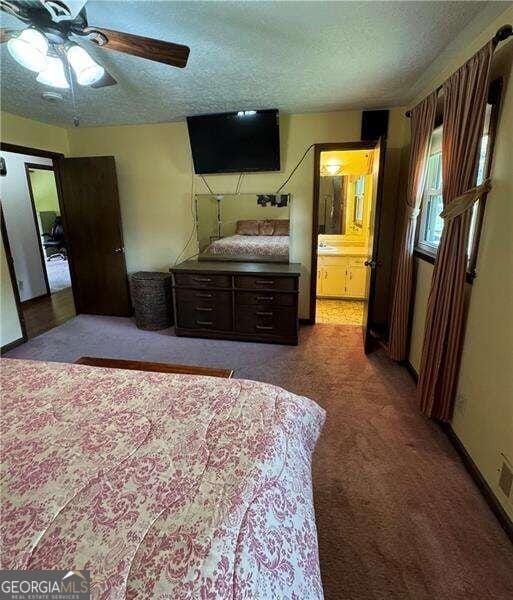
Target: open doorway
(42,187)
(36,239)
(348,180)
(343,239)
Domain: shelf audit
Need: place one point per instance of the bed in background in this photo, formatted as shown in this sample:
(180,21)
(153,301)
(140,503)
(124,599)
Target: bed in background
(255,238)
(163,486)
(264,246)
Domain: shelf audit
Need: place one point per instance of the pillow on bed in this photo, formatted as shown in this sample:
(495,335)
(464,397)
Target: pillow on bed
(247,228)
(266,227)
(281,227)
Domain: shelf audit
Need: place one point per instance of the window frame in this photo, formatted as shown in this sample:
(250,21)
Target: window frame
(359,195)
(421,244)
(428,253)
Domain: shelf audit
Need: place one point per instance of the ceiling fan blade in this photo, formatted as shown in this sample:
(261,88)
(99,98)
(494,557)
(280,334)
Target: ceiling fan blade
(7,34)
(168,53)
(20,10)
(106,81)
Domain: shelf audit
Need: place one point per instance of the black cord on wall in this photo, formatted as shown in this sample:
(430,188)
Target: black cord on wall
(238,183)
(193,220)
(205,182)
(294,169)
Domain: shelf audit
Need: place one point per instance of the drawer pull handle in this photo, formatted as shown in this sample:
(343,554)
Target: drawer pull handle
(208,323)
(203,309)
(264,281)
(262,313)
(203,295)
(265,327)
(202,279)
(266,298)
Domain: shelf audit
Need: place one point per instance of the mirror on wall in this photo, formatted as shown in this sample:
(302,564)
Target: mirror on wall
(332,204)
(243,227)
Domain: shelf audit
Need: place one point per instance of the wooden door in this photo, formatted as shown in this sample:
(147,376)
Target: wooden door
(372,262)
(90,209)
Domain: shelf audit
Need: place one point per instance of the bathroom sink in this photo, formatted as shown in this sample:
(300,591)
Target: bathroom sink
(327,250)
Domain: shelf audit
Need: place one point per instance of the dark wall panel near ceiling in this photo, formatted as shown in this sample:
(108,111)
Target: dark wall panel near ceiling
(374,124)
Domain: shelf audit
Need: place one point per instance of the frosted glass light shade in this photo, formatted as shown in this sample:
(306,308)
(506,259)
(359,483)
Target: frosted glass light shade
(86,69)
(29,49)
(53,74)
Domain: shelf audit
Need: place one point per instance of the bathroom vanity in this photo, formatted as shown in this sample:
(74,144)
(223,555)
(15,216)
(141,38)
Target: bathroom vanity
(341,272)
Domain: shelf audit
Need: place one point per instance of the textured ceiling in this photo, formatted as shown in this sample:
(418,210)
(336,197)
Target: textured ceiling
(295,56)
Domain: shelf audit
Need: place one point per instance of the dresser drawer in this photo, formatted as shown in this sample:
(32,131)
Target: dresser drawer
(265,297)
(250,282)
(261,319)
(202,316)
(206,297)
(202,280)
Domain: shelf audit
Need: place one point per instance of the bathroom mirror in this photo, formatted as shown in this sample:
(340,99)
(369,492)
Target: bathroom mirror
(341,204)
(345,183)
(243,227)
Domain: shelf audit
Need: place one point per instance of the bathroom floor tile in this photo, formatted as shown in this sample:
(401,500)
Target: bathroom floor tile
(339,312)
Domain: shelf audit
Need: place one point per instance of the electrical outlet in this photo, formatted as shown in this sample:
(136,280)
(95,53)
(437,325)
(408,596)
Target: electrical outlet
(461,404)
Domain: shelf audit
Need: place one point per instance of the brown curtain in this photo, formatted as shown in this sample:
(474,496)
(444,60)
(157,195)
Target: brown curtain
(422,123)
(465,95)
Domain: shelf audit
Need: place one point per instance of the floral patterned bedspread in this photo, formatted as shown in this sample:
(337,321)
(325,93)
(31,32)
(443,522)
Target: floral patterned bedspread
(164,486)
(276,246)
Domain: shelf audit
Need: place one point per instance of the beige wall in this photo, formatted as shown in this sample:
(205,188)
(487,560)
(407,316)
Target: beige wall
(155,181)
(483,418)
(26,132)
(155,177)
(44,191)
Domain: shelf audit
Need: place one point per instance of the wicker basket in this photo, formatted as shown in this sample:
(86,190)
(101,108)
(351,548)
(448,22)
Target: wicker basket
(152,297)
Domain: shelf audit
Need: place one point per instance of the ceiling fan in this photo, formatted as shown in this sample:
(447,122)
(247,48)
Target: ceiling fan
(52,44)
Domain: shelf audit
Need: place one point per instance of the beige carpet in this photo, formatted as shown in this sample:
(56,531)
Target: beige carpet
(398,517)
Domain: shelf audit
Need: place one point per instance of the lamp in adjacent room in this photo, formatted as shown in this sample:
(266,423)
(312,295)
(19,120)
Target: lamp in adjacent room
(333,167)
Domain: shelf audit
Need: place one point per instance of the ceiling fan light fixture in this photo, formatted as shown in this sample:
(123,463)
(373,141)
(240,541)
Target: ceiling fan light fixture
(86,69)
(53,75)
(29,49)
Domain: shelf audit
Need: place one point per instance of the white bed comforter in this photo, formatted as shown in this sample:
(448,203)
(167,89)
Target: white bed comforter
(163,486)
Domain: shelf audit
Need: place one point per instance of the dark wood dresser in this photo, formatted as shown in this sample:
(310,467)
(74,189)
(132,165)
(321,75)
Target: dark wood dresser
(237,300)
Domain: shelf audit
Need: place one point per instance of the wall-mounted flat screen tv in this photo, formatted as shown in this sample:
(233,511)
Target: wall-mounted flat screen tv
(235,142)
